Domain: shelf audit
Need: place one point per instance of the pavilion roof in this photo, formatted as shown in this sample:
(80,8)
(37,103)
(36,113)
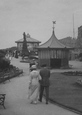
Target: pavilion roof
(28,39)
(53,42)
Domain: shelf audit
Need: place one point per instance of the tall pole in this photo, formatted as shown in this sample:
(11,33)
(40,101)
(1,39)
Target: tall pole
(73,28)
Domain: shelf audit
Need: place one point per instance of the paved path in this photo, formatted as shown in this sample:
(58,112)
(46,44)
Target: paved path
(16,97)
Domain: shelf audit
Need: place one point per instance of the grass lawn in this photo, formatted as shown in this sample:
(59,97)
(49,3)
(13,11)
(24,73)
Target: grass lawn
(65,91)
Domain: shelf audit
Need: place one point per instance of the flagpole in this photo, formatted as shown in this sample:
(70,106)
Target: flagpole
(73,28)
(54,22)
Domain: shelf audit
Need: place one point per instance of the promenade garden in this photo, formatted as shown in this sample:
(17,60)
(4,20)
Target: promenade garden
(66,90)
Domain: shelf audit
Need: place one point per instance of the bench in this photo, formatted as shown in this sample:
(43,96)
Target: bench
(7,76)
(2,100)
(4,76)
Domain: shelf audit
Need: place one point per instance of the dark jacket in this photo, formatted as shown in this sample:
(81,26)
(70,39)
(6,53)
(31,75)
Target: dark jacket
(45,75)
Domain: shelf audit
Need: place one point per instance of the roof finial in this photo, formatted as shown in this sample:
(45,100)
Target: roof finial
(54,22)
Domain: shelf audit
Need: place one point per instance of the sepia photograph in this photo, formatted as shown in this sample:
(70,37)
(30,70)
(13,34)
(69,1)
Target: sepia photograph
(40,57)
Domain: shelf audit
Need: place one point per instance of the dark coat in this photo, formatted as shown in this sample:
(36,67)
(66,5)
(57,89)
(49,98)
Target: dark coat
(45,75)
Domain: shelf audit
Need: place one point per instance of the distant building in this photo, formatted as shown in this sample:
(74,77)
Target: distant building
(32,43)
(71,42)
(80,32)
(75,43)
(79,39)
(68,41)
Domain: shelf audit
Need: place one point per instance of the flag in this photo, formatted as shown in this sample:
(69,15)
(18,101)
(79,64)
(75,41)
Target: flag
(54,22)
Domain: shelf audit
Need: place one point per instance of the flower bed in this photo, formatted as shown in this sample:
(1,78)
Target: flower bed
(73,73)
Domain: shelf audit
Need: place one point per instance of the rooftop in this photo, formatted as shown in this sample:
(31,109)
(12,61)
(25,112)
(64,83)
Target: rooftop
(29,39)
(53,42)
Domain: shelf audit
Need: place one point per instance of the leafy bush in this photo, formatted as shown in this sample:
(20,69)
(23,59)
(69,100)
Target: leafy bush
(4,63)
(2,54)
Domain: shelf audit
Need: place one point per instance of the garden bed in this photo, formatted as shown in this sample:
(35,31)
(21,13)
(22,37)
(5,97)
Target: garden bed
(66,92)
(9,73)
(73,73)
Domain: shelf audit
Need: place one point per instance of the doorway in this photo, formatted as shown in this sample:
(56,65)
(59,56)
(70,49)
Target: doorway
(55,63)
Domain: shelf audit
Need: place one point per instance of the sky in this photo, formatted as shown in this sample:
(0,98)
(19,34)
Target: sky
(35,17)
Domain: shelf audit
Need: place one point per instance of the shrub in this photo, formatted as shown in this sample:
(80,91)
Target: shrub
(4,63)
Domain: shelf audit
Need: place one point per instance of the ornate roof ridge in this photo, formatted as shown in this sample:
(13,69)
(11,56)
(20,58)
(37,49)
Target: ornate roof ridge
(53,42)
